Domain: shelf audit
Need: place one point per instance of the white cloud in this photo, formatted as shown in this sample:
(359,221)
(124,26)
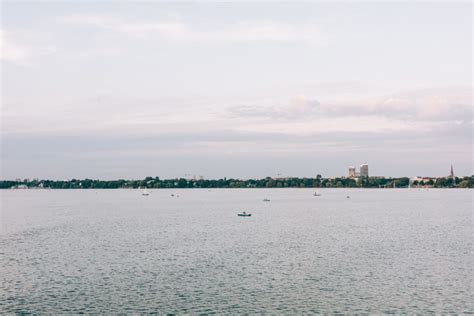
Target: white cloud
(176,29)
(94,20)
(301,105)
(24,47)
(348,124)
(442,104)
(422,111)
(267,30)
(433,104)
(10,51)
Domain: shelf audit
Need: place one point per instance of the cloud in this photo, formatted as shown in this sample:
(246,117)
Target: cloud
(94,20)
(301,105)
(436,105)
(10,51)
(298,106)
(267,30)
(430,104)
(176,29)
(13,48)
(133,131)
(301,115)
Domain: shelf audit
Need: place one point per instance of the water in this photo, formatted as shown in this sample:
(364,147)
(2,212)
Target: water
(390,251)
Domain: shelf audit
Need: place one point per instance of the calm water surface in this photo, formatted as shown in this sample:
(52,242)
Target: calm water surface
(390,251)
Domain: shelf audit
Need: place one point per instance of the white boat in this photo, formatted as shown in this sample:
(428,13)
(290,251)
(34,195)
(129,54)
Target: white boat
(145,192)
(245,214)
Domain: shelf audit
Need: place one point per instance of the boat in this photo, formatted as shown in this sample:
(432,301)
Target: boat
(317,193)
(244,214)
(145,192)
(266,200)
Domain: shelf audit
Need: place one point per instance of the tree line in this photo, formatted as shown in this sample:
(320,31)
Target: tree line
(182,183)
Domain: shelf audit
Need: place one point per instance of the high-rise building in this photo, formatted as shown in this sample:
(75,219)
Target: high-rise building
(352,172)
(364,170)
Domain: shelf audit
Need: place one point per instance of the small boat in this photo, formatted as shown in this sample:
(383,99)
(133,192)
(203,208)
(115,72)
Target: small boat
(244,214)
(317,193)
(266,200)
(348,197)
(145,192)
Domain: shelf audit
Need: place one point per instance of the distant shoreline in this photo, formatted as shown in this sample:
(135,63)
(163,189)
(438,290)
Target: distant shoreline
(296,188)
(181,183)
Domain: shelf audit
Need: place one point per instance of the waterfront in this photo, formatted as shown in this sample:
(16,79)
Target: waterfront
(111,251)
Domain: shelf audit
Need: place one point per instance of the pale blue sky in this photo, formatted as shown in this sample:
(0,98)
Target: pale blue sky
(130,89)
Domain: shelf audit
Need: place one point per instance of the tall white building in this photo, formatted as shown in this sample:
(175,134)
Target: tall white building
(352,172)
(364,170)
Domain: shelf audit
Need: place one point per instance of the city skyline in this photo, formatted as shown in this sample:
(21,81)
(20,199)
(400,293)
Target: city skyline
(231,90)
(352,174)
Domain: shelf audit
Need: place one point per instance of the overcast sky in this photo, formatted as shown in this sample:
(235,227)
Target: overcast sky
(128,89)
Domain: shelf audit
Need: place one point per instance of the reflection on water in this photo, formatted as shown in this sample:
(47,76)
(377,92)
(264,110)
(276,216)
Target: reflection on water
(118,251)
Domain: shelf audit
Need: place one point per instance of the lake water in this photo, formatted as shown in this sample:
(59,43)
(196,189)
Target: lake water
(391,251)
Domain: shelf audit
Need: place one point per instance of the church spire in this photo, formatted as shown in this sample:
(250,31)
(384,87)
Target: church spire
(452,176)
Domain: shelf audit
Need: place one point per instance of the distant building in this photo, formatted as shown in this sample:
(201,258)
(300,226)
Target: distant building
(414,181)
(423,182)
(352,172)
(364,170)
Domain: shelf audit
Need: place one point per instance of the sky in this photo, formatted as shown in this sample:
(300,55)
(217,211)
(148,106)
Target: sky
(129,89)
